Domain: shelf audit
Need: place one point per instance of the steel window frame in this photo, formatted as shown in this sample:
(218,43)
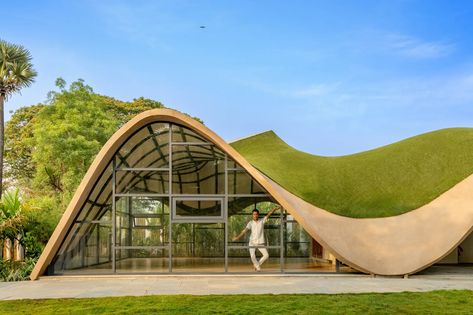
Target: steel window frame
(174,198)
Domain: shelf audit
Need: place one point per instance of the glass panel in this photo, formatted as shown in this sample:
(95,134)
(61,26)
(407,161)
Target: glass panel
(239,260)
(183,134)
(156,182)
(233,165)
(304,254)
(147,222)
(296,240)
(142,221)
(300,254)
(186,208)
(95,213)
(240,213)
(149,147)
(310,264)
(240,183)
(198,169)
(99,200)
(87,249)
(103,187)
(198,247)
(142,260)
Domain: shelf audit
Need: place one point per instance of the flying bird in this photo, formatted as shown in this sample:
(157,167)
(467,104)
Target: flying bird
(202,26)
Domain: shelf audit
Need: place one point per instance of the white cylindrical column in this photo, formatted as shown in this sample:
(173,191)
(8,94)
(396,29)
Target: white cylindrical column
(7,249)
(18,251)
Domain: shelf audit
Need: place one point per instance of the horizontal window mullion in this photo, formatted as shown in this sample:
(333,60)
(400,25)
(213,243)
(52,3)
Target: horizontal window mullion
(141,195)
(258,246)
(192,143)
(142,247)
(197,220)
(93,222)
(247,195)
(143,169)
(198,196)
(148,215)
(233,169)
(148,227)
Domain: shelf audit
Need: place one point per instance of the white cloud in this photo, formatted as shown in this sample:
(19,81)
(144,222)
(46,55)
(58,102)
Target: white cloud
(412,47)
(376,42)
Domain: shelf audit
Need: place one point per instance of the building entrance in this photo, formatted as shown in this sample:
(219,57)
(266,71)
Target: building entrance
(198,234)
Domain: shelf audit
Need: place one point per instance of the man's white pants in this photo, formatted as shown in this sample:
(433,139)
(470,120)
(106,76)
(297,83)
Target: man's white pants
(263,251)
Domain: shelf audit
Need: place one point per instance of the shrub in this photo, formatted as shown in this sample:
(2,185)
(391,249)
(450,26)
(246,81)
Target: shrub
(16,270)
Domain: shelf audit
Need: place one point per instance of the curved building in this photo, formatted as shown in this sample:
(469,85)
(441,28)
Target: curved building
(166,194)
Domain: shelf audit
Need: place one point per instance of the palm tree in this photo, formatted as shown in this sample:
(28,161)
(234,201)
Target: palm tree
(16,72)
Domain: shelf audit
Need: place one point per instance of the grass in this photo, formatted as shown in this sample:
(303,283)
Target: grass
(435,302)
(383,182)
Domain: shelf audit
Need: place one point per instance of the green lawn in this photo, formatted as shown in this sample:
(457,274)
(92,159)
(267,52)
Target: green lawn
(436,302)
(383,182)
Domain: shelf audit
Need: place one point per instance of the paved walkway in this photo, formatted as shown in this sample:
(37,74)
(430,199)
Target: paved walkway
(82,287)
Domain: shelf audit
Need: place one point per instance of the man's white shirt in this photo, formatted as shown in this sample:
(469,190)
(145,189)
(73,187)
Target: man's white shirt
(257,231)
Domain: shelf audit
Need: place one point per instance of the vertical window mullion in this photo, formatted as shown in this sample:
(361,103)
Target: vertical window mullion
(114,215)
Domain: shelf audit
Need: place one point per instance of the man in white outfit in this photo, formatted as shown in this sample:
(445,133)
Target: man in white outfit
(256,226)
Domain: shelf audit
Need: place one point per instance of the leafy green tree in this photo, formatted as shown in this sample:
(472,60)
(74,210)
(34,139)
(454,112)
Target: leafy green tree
(19,137)
(16,72)
(68,135)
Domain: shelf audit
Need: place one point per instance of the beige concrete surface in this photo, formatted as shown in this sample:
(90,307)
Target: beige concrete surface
(397,245)
(435,278)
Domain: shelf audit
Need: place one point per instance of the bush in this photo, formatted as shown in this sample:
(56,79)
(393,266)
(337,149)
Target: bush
(16,270)
(43,214)
(33,247)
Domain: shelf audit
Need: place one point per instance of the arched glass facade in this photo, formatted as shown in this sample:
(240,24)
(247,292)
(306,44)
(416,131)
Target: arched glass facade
(171,201)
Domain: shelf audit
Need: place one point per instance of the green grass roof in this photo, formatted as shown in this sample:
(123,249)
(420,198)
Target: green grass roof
(383,182)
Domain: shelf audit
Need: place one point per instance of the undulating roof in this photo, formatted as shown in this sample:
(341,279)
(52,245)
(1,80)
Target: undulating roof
(430,174)
(386,181)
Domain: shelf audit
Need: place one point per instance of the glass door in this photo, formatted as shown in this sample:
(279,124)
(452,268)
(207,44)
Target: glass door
(198,234)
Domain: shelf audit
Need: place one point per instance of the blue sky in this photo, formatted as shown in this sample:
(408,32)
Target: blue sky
(330,77)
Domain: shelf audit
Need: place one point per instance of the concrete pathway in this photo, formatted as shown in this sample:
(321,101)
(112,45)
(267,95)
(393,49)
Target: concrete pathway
(98,286)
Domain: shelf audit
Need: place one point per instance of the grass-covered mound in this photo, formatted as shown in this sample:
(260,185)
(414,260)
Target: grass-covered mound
(383,182)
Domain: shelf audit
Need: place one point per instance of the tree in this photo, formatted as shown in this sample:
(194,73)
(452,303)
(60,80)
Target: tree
(19,168)
(16,73)
(68,133)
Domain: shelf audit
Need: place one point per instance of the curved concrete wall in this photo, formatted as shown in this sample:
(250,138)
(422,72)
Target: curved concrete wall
(390,246)
(397,245)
